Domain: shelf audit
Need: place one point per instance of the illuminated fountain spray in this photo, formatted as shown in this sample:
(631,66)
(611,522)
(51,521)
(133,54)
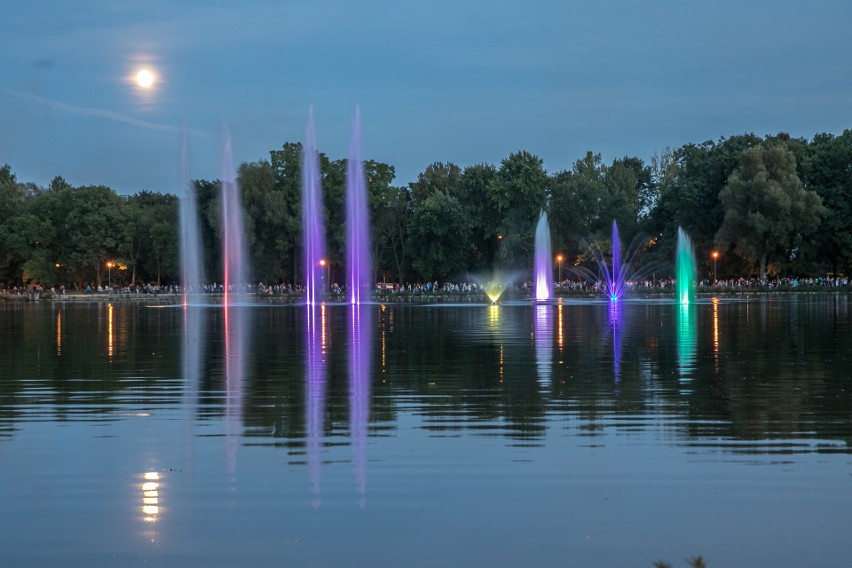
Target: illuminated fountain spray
(233,236)
(543,270)
(359,392)
(192,272)
(313,227)
(359,278)
(614,276)
(684,268)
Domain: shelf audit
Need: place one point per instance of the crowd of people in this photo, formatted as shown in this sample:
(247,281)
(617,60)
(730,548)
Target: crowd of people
(464,288)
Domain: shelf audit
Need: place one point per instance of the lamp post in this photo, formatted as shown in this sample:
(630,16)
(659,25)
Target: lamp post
(327,266)
(559,263)
(109,277)
(715,255)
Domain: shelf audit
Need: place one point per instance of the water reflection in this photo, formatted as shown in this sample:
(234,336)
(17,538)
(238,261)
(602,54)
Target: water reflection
(236,329)
(544,343)
(109,330)
(560,327)
(686,340)
(151,507)
(716,335)
(151,497)
(616,316)
(359,391)
(59,333)
(194,324)
(315,392)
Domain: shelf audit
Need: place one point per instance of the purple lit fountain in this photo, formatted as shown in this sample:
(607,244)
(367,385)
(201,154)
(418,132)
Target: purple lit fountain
(543,266)
(615,282)
(359,278)
(313,227)
(614,278)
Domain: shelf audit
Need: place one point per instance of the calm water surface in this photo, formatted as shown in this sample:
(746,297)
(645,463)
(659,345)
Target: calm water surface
(579,434)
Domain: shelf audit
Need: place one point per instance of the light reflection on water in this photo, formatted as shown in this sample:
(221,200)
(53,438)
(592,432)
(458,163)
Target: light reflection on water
(438,411)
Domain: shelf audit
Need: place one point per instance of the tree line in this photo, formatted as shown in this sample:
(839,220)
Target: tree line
(773,204)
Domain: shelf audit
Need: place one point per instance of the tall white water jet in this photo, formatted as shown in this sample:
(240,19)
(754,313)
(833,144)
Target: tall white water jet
(313,226)
(359,278)
(192,271)
(233,235)
(543,267)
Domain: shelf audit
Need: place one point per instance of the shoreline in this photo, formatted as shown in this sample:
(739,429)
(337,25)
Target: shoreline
(430,297)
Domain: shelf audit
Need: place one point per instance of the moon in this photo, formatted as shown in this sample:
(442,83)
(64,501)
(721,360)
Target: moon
(145,78)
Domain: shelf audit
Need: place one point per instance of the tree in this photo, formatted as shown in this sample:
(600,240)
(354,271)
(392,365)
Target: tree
(436,177)
(151,242)
(265,211)
(576,211)
(391,220)
(476,184)
(827,170)
(689,182)
(765,205)
(440,235)
(518,196)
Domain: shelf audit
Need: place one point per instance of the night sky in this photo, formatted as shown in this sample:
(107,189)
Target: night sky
(460,81)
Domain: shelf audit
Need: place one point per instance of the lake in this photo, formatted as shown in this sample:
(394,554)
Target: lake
(573,434)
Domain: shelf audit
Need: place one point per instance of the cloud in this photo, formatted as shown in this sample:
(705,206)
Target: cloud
(111,115)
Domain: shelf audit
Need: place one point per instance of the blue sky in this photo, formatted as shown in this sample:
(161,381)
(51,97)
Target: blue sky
(460,81)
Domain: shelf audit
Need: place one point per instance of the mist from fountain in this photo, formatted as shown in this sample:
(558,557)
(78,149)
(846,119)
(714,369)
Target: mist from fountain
(684,268)
(496,283)
(543,268)
(358,264)
(313,225)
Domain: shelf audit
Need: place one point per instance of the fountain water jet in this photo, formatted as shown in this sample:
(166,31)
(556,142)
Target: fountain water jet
(313,227)
(233,236)
(192,272)
(543,270)
(359,278)
(616,275)
(684,268)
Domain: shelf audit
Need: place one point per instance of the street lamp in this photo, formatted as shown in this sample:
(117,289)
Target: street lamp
(559,262)
(327,266)
(715,255)
(109,277)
